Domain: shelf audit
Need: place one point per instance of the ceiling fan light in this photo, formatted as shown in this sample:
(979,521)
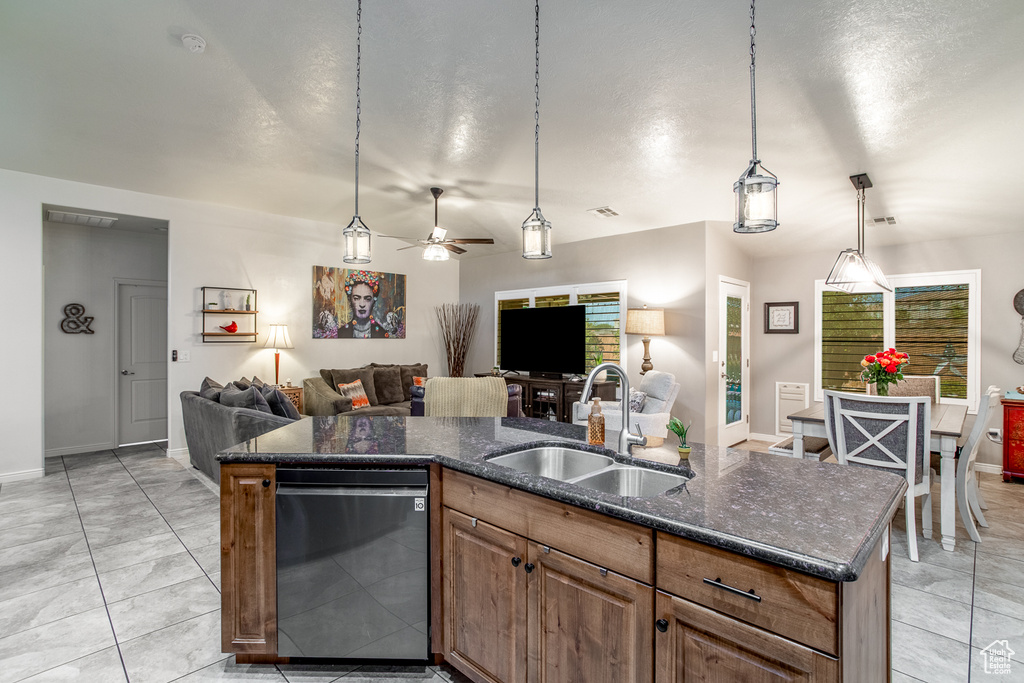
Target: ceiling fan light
(356,239)
(536,236)
(854,272)
(435,252)
(756,201)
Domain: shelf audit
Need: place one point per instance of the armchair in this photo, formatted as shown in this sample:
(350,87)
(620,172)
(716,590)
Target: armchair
(661,389)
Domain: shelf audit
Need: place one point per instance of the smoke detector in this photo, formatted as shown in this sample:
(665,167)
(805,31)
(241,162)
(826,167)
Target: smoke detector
(603,212)
(80,219)
(193,43)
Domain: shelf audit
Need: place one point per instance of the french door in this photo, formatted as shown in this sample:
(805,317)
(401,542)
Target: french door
(733,361)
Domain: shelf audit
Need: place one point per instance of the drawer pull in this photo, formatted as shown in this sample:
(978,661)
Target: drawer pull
(516,561)
(717,583)
(266,483)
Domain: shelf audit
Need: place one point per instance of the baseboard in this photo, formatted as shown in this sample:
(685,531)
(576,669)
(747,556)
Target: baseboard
(177,453)
(989,467)
(22,476)
(771,438)
(75,450)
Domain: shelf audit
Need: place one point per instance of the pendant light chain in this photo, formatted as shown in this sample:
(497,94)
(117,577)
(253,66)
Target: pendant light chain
(536,110)
(753,99)
(359,57)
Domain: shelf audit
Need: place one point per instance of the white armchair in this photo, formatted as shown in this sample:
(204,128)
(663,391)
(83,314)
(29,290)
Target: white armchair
(661,389)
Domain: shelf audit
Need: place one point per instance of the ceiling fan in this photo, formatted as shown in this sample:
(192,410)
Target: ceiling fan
(437,244)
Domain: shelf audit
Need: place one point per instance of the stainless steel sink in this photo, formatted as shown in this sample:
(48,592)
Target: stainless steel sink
(554,462)
(635,482)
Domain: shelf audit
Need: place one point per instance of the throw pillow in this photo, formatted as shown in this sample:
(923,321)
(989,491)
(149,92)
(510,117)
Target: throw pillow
(364,375)
(387,382)
(356,392)
(233,397)
(257,382)
(636,400)
(243,383)
(280,404)
(210,390)
(409,373)
(419,381)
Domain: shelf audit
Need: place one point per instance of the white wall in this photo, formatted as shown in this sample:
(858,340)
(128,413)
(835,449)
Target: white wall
(80,265)
(664,268)
(208,245)
(790,358)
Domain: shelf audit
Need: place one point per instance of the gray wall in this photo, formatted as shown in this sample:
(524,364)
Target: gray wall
(664,268)
(80,264)
(790,358)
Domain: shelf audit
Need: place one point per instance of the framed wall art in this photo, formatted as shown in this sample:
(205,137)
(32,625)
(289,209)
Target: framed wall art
(782,317)
(357,304)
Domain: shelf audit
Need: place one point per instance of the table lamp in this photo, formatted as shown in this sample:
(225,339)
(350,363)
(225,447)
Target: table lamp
(278,339)
(648,322)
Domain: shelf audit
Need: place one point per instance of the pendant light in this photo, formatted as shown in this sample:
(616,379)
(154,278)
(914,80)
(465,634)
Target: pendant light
(536,229)
(356,236)
(435,251)
(853,271)
(756,200)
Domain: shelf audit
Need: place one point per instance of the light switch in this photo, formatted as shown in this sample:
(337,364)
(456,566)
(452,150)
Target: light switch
(184,356)
(714,356)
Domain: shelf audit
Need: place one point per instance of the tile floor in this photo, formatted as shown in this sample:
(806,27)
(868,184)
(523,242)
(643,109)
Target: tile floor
(109,571)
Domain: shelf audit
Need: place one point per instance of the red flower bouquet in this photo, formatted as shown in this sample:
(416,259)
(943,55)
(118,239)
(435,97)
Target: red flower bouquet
(884,368)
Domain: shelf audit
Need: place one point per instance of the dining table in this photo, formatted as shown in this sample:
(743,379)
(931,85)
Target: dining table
(947,425)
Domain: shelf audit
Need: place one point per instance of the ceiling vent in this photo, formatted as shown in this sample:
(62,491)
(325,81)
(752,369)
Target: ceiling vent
(603,212)
(80,219)
(888,220)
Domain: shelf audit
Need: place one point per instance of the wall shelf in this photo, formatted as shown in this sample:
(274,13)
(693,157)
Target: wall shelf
(213,318)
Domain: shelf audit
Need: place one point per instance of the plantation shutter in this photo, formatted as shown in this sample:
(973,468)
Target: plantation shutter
(551,301)
(504,305)
(603,319)
(932,327)
(851,328)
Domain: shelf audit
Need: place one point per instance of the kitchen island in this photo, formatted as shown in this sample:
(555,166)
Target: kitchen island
(762,561)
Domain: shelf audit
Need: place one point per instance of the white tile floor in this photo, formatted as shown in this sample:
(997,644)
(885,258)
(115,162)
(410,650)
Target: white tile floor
(109,571)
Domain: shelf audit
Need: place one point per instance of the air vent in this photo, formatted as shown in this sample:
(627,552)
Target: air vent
(888,220)
(80,219)
(603,212)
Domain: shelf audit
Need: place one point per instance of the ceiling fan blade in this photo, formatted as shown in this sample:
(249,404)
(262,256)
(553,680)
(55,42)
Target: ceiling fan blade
(472,240)
(396,237)
(454,249)
(411,246)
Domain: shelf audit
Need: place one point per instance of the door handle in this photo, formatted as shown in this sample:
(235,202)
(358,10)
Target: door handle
(724,376)
(125,372)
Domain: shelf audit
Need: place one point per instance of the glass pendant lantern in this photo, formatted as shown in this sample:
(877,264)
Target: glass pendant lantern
(853,271)
(536,229)
(356,236)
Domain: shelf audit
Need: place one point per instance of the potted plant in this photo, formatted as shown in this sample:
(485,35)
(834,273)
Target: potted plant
(884,368)
(211,305)
(676,425)
(247,298)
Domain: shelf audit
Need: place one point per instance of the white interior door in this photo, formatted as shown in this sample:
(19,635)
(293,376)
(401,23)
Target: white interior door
(734,361)
(142,363)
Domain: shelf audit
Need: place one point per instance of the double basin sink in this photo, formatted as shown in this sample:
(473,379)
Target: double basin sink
(591,470)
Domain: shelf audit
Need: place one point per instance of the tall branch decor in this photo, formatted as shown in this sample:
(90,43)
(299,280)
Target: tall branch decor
(458,323)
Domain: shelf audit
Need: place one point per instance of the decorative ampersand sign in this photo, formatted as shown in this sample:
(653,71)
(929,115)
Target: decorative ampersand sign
(75,321)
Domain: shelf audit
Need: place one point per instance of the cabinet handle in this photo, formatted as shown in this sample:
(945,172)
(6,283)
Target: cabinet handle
(661,625)
(266,483)
(516,561)
(528,567)
(717,583)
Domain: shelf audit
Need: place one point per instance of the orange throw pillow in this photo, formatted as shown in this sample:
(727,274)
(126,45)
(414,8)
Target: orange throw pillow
(419,381)
(355,391)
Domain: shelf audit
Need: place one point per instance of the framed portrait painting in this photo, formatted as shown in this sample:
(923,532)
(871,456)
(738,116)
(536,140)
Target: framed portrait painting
(782,317)
(357,304)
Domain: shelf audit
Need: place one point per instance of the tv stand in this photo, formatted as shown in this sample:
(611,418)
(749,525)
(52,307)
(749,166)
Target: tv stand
(552,398)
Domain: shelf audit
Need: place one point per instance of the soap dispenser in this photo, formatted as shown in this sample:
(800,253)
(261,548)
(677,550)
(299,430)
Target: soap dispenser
(595,425)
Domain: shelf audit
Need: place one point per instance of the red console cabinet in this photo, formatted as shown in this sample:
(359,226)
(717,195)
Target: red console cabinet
(1013,438)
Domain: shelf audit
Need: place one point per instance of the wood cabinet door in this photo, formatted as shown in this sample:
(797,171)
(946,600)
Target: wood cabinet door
(484,599)
(587,625)
(699,644)
(248,557)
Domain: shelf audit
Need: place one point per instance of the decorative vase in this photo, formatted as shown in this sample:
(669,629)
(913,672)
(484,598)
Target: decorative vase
(684,452)
(601,376)
(882,388)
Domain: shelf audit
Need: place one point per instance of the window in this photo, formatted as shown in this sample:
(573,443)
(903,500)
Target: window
(603,301)
(933,317)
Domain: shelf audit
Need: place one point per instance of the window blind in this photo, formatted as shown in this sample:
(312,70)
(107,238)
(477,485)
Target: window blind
(603,317)
(851,328)
(932,327)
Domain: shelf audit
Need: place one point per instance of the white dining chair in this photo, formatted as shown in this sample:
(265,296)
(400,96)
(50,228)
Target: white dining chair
(891,433)
(968,497)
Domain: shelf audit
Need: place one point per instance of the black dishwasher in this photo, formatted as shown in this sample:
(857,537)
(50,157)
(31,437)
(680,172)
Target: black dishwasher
(353,563)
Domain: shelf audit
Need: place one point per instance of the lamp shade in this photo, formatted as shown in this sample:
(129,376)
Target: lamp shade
(435,252)
(277,338)
(356,241)
(854,272)
(649,322)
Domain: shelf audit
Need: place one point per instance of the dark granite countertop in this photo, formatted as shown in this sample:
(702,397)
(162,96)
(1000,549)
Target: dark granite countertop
(819,518)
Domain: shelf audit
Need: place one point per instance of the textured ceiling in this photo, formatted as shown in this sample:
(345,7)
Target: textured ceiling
(644,107)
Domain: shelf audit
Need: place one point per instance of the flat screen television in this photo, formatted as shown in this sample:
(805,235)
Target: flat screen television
(544,340)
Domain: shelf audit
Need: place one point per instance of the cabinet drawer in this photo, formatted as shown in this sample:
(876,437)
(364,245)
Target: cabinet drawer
(607,542)
(794,605)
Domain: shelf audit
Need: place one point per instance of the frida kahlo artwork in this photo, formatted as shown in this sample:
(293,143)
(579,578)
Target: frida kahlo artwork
(357,304)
